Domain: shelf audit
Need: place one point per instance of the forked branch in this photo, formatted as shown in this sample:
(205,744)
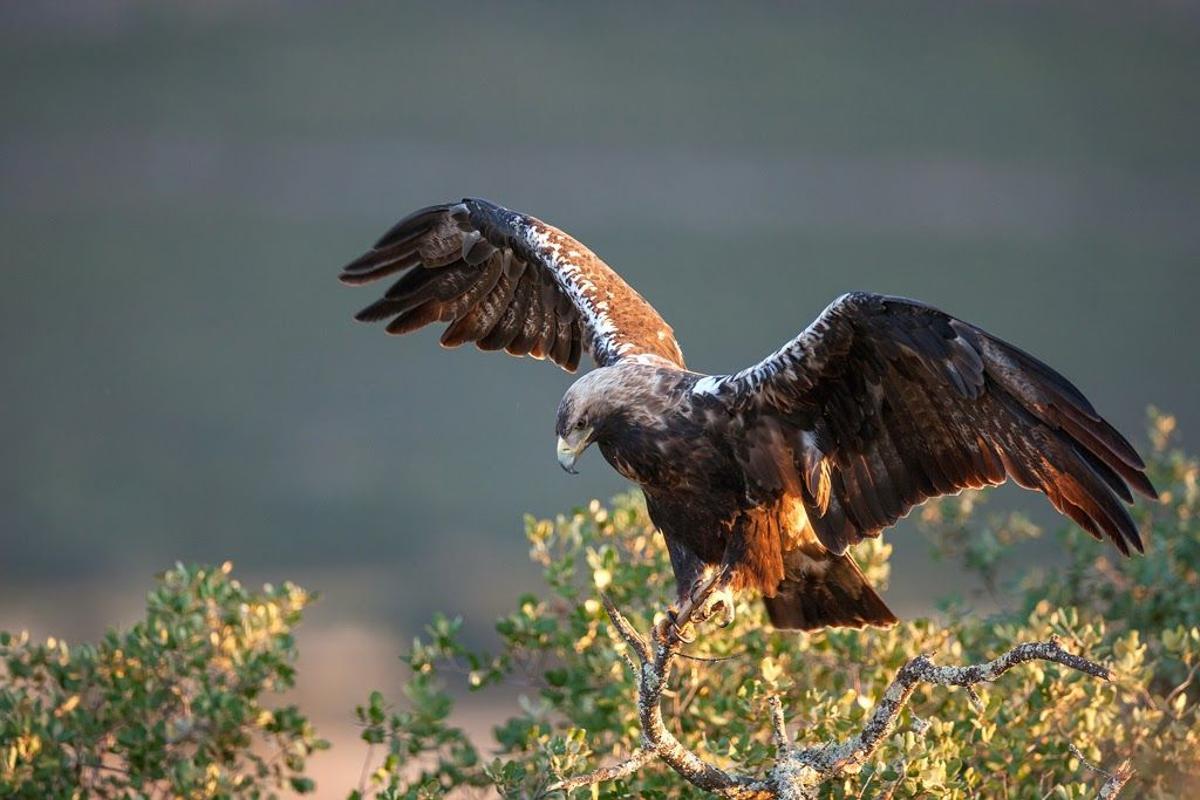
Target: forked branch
(798,772)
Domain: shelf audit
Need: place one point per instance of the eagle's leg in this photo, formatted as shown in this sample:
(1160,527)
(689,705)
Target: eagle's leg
(718,604)
(714,596)
(690,607)
(690,576)
(709,596)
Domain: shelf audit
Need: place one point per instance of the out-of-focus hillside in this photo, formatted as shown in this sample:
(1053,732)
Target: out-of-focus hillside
(179,184)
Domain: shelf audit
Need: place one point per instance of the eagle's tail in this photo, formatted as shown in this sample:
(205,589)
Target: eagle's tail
(822,590)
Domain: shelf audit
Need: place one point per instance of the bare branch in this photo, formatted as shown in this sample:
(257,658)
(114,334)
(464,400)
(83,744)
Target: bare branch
(922,670)
(1181,688)
(798,773)
(622,769)
(711,659)
(1116,781)
(673,753)
(783,742)
(628,634)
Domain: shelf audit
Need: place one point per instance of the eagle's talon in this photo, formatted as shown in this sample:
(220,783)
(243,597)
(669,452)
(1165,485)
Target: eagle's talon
(676,623)
(724,614)
(708,597)
(678,633)
(718,607)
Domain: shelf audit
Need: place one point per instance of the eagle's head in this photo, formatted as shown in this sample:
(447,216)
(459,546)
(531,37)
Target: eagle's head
(584,413)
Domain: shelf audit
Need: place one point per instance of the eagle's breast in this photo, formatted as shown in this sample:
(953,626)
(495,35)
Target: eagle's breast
(664,440)
(652,452)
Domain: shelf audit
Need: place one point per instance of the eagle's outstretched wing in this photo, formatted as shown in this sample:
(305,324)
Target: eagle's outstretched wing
(884,402)
(505,280)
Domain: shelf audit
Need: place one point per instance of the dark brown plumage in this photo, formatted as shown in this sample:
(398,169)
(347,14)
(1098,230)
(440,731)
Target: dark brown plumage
(775,471)
(507,281)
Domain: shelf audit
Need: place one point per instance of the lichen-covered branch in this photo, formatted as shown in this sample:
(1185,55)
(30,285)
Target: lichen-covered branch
(783,742)
(627,632)
(654,662)
(798,772)
(1116,781)
(834,759)
(613,772)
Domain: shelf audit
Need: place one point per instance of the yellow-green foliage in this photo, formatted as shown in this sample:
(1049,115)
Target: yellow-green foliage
(174,705)
(1140,615)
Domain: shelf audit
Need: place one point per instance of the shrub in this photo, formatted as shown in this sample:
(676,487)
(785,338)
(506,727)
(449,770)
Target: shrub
(176,705)
(1039,732)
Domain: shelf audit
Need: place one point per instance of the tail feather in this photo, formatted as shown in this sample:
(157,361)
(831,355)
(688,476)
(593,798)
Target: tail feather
(821,590)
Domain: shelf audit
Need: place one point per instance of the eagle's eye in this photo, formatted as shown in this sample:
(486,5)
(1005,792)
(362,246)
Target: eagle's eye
(581,424)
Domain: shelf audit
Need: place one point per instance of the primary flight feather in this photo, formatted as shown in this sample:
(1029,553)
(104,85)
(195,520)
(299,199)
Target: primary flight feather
(765,477)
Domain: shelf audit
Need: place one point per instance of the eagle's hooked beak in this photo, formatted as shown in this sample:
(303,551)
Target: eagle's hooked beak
(568,453)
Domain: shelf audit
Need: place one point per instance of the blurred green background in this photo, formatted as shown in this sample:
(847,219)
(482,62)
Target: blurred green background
(179,184)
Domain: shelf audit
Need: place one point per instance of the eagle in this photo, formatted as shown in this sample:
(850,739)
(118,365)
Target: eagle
(761,479)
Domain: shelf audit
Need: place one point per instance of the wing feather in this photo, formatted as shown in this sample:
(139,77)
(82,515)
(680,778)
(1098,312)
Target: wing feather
(902,402)
(448,255)
(495,307)
(532,324)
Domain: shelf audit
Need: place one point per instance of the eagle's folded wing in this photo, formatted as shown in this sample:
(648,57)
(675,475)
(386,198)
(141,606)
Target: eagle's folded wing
(505,280)
(884,402)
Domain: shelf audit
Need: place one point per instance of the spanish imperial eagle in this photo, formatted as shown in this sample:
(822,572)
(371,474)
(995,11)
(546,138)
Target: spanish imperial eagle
(764,478)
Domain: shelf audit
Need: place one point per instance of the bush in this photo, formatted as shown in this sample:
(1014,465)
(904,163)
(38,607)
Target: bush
(186,706)
(174,707)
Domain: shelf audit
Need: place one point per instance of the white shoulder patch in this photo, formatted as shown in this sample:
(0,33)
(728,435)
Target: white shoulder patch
(709,384)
